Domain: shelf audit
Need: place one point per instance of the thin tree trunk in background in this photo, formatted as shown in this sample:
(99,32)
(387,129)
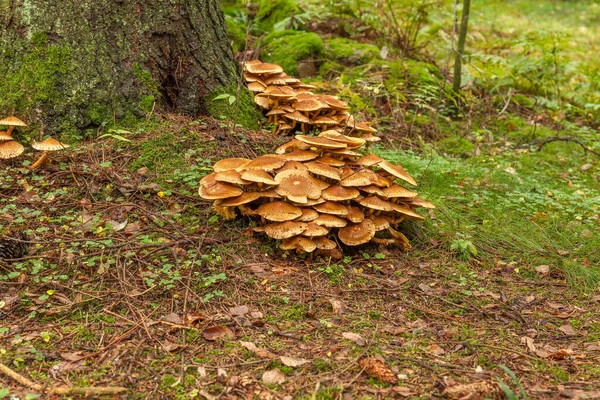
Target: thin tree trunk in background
(462,37)
(84,63)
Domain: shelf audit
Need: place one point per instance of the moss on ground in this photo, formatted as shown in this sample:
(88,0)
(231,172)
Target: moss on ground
(350,52)
(271,12)
(287,48)
(242,111)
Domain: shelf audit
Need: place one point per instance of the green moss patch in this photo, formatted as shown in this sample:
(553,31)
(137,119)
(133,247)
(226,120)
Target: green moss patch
(350,52)
(237,33)
(287,48)
(271,12)
(241,109)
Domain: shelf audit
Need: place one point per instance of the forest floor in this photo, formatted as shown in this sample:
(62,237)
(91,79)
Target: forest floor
(132,284)
(132,281)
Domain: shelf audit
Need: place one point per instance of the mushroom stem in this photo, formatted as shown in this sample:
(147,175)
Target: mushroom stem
(40,160)
(10,129)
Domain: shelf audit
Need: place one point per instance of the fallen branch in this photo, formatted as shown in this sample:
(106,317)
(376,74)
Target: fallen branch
(91,390)
(541,143)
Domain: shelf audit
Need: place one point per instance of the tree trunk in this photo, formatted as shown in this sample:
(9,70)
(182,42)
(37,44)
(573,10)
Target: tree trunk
(81,64)
(462,38)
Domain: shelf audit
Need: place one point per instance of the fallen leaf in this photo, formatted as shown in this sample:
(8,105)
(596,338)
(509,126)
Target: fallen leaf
(529,342)
(292,362)
(543,269)
(354,337)
(337,306)
(192,317)
(172,318)
(567,330)
(216,332)
(436,350)
(170,346)
(473,390)
(238,311)
(273,376)
(73,356)
(257,350)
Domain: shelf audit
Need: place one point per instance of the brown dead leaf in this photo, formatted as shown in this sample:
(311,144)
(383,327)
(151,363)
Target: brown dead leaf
(355,337)
(403,391)
(567,330)
(529,342)
(239,311)
(192,317)
(543,269)
(273,376)
(436,350)
(576,394)
(337,306)
(593,346)
(172,318)
(257,350)
(292,362)
(170,346)
(379,370)
(73,356)
(217,332)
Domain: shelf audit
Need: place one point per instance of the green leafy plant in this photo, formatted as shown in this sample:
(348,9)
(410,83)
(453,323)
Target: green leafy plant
(226,97)
(507,390)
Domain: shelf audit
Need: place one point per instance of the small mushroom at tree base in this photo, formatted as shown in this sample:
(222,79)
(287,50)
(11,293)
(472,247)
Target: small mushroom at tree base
(11,122)
(46,146)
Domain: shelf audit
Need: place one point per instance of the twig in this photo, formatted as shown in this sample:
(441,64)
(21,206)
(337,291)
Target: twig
(90,390)
(543,142)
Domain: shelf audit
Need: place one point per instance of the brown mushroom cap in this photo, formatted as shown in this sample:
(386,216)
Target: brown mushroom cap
(297,186)
(292,165)
(324,120)
(263,68)
(375,203)
(419,202)
(405,210)
(4,136)
(372,189)
(313,229)
(357,234)
(244,198)
(10,149)
(364,127)
(266,163)
(262,101)
(330,221)
(323,243)
(355,214)
(231,176)
(279,92)
(307,105)
(361,178)
(330,207)
(370,160)
(228,164)
(308,215)
(325,170)
(334,162)
(49,144)
(300,155)
(297,116)
(299,243)
(12,121)
(380,223)
(284,230)
(397,191)
(279,211)
(339,193)
(351,142)
(258,176)
(322,143)
(334,103)
(275,111)
(214,190)
(398,172)
(256,87)
(292,145)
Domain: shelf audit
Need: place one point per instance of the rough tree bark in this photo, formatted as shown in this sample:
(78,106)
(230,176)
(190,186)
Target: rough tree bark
(83,63)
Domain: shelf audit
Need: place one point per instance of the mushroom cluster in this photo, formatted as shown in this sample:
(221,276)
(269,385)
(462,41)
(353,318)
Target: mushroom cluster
(9,147)
(290,104)
(316,192)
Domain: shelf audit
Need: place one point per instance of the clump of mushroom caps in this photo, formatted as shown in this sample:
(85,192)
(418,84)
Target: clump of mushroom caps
(316,192)
(9,148)
(290,104)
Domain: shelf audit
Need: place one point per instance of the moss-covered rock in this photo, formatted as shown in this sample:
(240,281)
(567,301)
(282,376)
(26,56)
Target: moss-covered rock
(287,48)
(271,12)
(350,52)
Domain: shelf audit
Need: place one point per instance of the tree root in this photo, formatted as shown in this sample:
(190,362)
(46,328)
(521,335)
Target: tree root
(92,390)
(543,142)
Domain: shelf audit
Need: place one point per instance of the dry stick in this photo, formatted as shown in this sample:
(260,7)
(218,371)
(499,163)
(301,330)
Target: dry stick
(91,390)
(542,143)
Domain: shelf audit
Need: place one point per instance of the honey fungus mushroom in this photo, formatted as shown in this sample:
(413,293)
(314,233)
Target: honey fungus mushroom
(11,122)
(46,146)
(10,149)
